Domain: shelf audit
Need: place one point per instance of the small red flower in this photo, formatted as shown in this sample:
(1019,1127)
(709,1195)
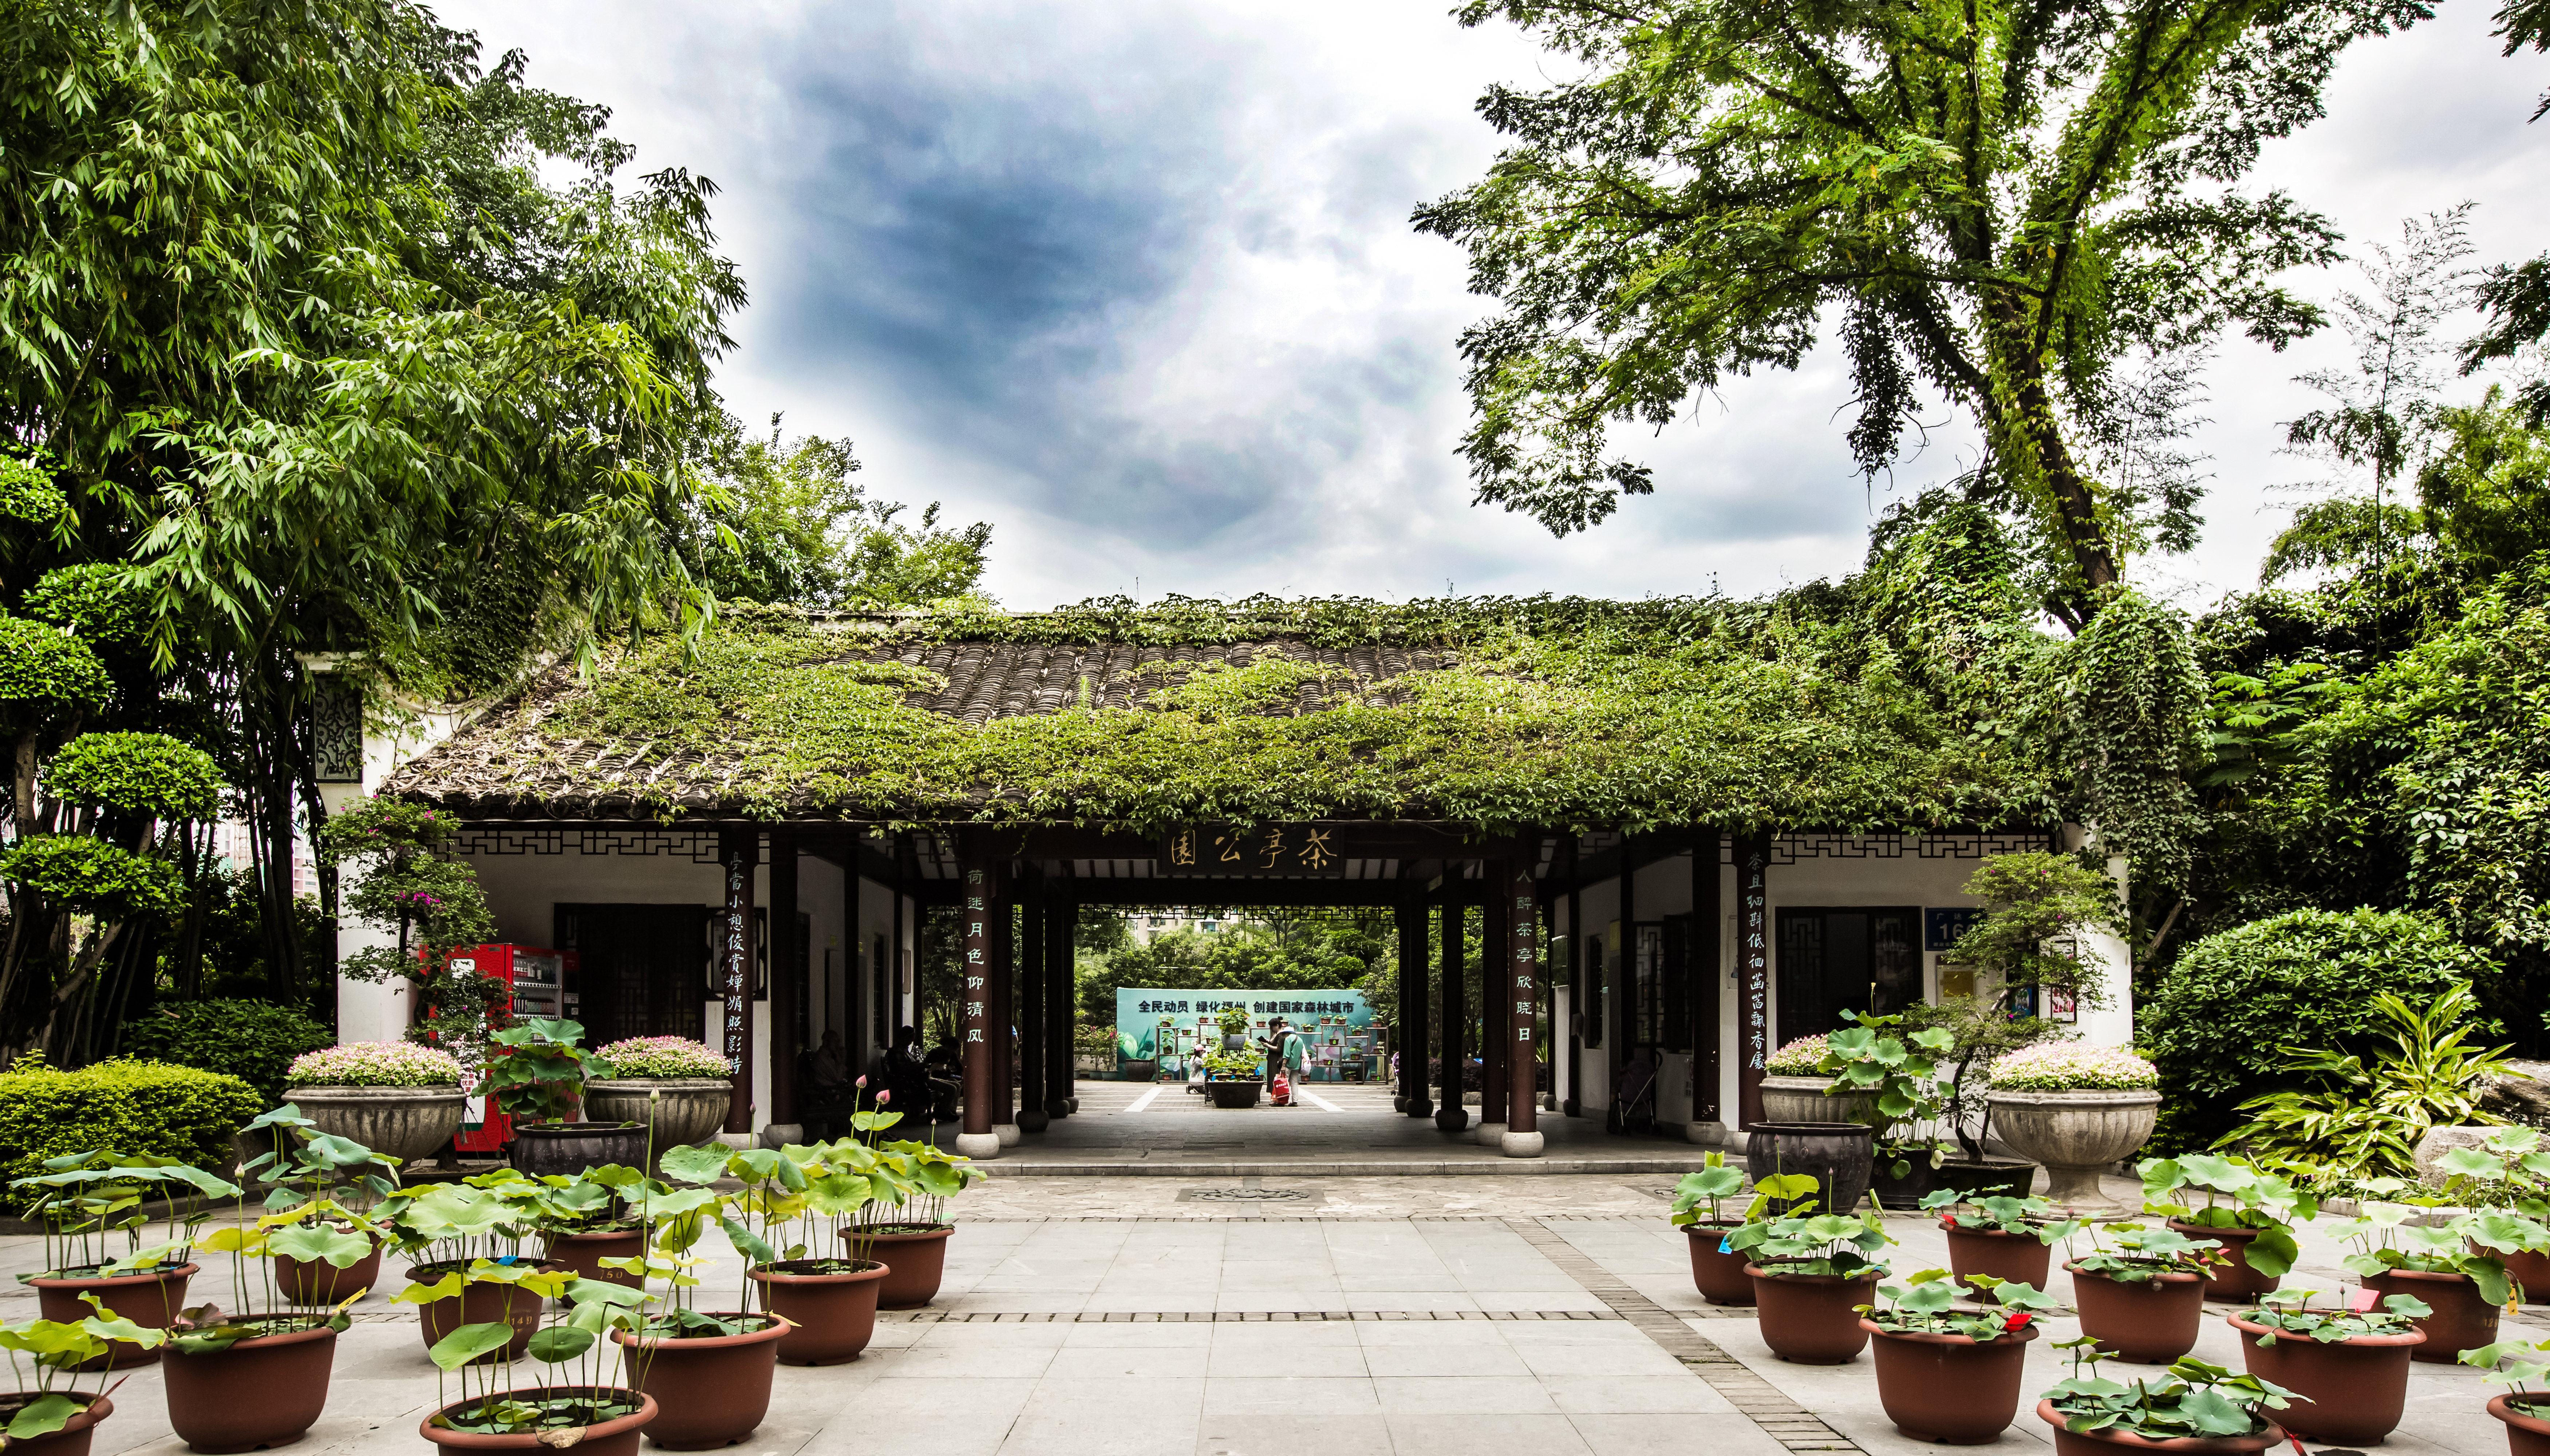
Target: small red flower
(2016,1320)
(1948,1221)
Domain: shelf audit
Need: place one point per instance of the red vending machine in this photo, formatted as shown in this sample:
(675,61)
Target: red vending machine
(539,981)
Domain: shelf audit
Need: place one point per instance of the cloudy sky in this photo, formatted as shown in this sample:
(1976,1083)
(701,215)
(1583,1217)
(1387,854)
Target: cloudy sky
(1133,281)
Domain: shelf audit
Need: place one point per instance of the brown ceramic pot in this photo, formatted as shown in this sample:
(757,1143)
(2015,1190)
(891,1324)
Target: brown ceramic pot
(2116,1442)
(317,1282)
(2462,1319)
(709,1392)
(1719,1277)
(2149,1321)
(2233,1281)
(150,1300)
(71,1440)
(830,1315)
(264,1390)
(584,1254)
(2530,1270)
(2356,1388)
(2527,1434)
(1947,1388)
(480,1303)
(914,1262)
(2013,1258)
(609,1438)
(1813,1318)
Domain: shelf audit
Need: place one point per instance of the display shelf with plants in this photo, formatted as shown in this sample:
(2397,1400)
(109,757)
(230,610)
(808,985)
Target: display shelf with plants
(1949,1371)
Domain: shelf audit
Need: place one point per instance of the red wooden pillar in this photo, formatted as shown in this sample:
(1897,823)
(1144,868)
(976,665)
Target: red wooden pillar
(1034,1038)
(1496,1002)
(982,895)
(1005,1010)
(1520,973)
(1752,972)
(739,850)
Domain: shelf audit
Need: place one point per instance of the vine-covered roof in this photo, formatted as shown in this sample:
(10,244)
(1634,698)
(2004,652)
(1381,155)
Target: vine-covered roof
(1805,710)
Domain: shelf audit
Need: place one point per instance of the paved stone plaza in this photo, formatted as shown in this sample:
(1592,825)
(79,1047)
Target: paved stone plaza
(1270,1315)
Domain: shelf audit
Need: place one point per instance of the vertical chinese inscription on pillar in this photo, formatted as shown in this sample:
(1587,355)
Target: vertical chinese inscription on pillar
(1756,950)
(978,947)
(737,957)
(1524,921)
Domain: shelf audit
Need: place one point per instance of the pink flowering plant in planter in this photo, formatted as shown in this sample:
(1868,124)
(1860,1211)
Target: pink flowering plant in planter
(376,1064)
(662,1056)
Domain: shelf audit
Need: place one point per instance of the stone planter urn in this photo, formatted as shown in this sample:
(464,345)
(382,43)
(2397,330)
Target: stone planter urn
(403,1123)
(1803,1100)
(689,1109)
(2077,1135)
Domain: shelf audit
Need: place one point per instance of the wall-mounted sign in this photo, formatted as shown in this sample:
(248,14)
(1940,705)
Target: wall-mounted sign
(1941,928)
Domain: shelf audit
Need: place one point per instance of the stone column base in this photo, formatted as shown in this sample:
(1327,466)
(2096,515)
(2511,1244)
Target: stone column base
(1520,1144)
(1419,1107)
(1008,1133)
(1033,1121)
(780,1135)
(1706,1134)
(978,1145)
(738,1141)
(1487,1133)
(1452,1119)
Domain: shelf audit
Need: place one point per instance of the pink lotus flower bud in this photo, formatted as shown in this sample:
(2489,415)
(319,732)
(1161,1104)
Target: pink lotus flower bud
(883,1098)
(862,1082)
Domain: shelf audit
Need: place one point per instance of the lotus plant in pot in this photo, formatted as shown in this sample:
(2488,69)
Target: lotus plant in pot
(537,1073)
(1948,1373)
(906,1225)
(2509,1173)
(1898,1075)
(796,1203)
(591,1224)
(338,1183)
(1811,1276)
(2524,1412)
(1700,1211)
(100,1238)
(2194,1408)
(2451,1268)
(2348,1360)
(45,1412)
(464,1243)
(2251,1212)
(256,1375)
(483,1402)
(709,1371)
(2141,1291)
(2010,1239)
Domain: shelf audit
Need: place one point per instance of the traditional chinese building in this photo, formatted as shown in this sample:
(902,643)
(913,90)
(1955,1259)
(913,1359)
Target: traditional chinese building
(1689,835)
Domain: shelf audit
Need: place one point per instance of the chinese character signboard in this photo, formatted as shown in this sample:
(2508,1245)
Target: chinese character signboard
(1292,849)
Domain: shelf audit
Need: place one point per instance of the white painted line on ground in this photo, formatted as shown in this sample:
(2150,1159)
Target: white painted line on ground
(1144,1100)
(1324,1104)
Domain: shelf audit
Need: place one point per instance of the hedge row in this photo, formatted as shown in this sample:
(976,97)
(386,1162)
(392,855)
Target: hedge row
(131,1107)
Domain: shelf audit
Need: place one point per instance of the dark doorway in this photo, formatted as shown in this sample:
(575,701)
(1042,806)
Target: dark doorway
(641,970)
(1846,960)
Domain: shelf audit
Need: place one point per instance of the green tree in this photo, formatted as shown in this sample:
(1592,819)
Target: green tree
(1995,204)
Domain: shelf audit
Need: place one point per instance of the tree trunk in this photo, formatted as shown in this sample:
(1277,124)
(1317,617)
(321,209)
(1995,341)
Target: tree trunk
(2029,431)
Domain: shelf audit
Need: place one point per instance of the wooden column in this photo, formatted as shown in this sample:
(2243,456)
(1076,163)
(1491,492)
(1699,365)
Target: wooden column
(1414,1100)
(1708,936)
(1005,1011)
(1622,1009)
(1452,1116)
(787,981)
(982,884)
(1520,973)
(1061,922)
(865,1038)
(1034,1037)
(1752,972)
(1576,972)
(739,850)
(1496,998)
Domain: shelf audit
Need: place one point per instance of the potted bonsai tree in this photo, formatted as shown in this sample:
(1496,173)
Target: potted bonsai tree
(709,1372)
(93,1209)
(1716,1265)
(401,1100)
(2451,1269)
(571,1402)
(1981,1029)
(46,1412)
(2349,1361)
(537,1077)
(2078,1109)
(2524,1412)
(2141,1291)
(2251,1212)
(1946,1374)
(2010,1239)
(1809,1278)
(2196,1408)
(679,1088)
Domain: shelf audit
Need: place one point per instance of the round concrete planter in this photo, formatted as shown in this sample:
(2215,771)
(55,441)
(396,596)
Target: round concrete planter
(1803,1100)
(1234,1094)
(687,1112)
(399,1122)
(2077,1135)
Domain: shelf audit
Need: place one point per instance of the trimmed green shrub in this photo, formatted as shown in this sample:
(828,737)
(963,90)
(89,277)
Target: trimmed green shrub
(97,600)
(122,1105)
(149,774)
(2237,1000)
(93,876)
(252,1040)
(45,672)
